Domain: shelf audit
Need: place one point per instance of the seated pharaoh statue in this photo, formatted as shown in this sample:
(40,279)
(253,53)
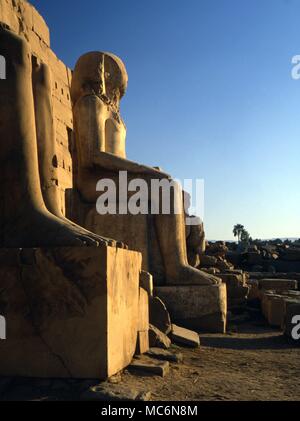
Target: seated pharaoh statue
(30,214)
(99,82)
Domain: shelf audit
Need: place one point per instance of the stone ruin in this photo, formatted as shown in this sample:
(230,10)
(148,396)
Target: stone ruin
(82,292)
(274,256)
(264,275)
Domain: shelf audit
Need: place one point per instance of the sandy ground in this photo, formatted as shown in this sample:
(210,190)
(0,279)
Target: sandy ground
(252,362)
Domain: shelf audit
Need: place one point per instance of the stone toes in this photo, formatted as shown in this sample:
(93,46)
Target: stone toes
(121,245)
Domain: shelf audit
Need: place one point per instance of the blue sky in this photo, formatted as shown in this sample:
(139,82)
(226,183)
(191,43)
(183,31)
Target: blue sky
(210,96)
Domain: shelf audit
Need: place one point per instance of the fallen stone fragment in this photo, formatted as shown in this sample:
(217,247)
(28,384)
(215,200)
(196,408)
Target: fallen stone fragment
(183,336)
(159,315)
(109,392)
(158,339)
(163,354)
(159,368)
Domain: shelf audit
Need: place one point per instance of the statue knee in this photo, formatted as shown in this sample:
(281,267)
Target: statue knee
(41,73)
(18,49)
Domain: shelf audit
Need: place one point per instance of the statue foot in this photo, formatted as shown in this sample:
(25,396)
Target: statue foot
(96,237)
(187,275)
(42,229)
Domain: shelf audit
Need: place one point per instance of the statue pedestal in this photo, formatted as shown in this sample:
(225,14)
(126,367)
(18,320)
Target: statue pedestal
(70,311)
(195,306)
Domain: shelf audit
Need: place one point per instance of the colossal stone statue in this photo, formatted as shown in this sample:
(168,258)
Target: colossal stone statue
(73,311)
(29,211)
(99,82)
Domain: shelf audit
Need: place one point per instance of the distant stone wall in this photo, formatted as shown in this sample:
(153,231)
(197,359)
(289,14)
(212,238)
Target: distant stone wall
(24,19)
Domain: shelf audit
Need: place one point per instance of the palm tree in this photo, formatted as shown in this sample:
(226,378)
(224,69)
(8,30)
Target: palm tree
(245,237)
(237,231)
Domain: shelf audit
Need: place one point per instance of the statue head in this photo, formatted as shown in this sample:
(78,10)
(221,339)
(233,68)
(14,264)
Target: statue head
(99,73)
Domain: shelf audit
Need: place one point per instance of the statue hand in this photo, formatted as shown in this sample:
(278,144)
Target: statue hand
(154,173)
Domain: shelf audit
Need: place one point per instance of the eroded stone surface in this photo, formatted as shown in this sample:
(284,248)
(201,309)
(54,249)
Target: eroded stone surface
(99,82)
(278,284)
(158,339)
(196,307)
(159,368)
(71,312)
(109,392)
(142,344)
(143,324)
(185,337)
(163,354)
(24,20)
(237,288)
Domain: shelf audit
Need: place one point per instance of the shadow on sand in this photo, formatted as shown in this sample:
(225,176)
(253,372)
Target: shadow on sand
(265,338)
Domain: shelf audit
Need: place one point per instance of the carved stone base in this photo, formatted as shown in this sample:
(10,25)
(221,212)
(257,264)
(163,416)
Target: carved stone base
(137,231)
(70,311)
(196,307)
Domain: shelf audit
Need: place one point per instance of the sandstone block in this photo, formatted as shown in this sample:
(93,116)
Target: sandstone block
(287,303)
(25,20)
(9,16)
(164,354)
(237,289)
(158,339)
(70,311)
(159,368)
(131,229)
(184,336)
(266,298)
(142,344)
(197,306)
(276,311)
(143,323)
(40,27)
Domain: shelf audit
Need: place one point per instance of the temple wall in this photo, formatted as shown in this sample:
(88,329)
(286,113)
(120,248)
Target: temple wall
(24,19)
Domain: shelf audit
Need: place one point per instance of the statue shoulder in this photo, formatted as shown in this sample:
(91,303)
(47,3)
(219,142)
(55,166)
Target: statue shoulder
(87,101)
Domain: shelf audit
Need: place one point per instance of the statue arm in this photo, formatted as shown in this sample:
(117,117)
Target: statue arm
(113,162)
(90,117)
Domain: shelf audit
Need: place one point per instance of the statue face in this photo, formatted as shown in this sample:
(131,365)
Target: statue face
(115,79)
(99,73)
